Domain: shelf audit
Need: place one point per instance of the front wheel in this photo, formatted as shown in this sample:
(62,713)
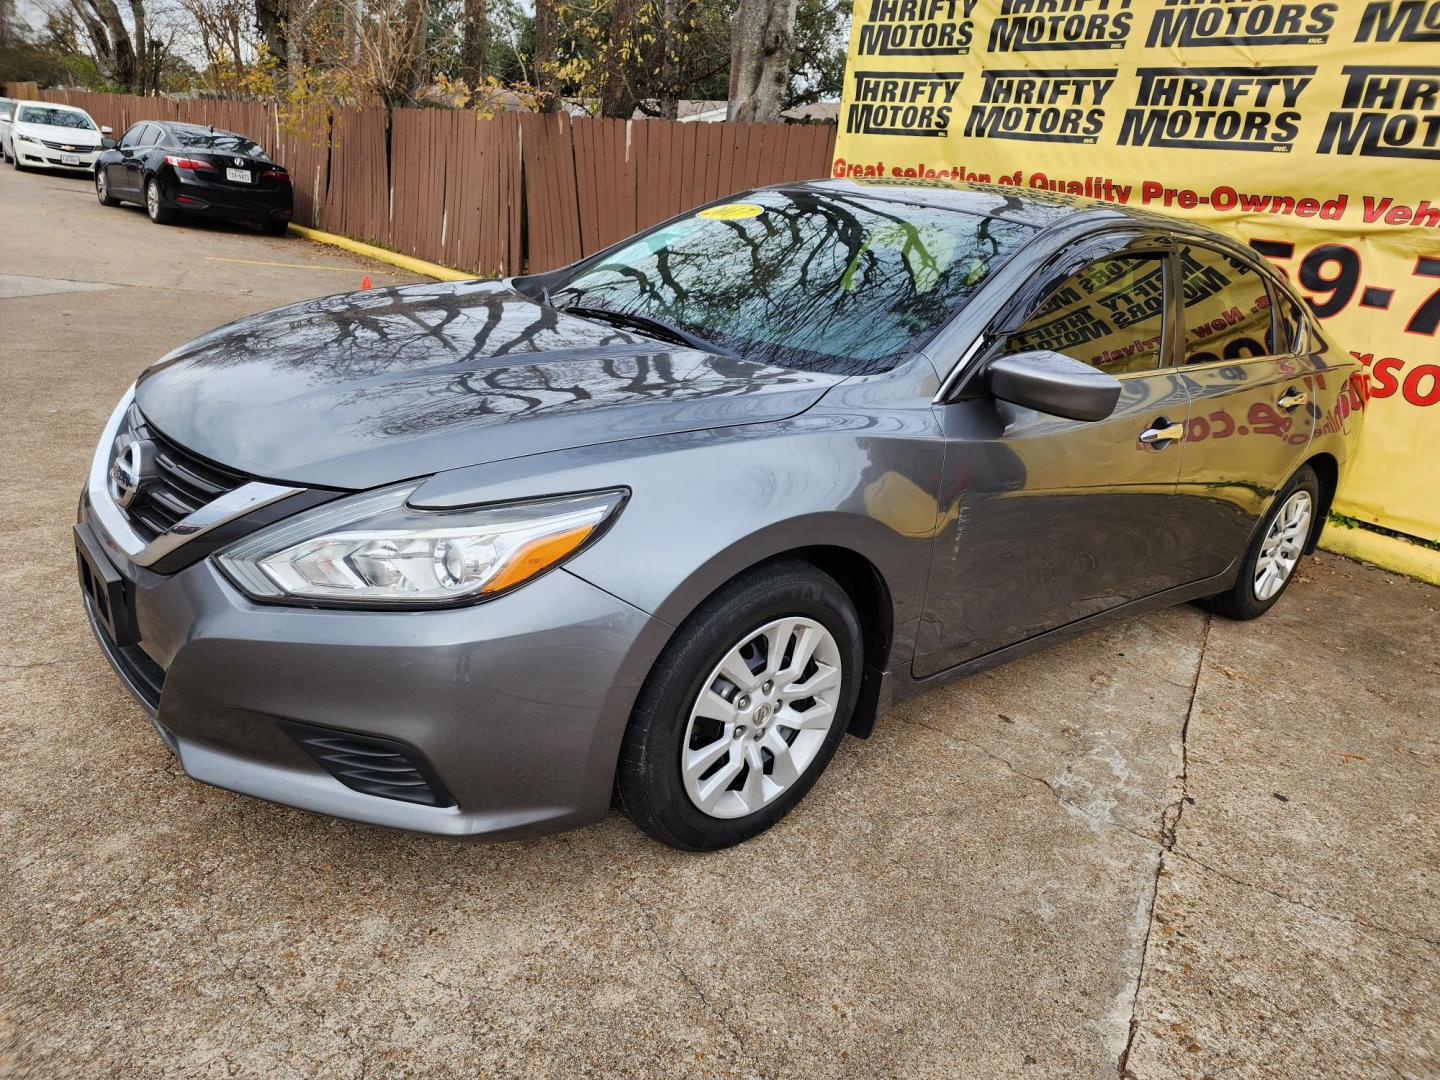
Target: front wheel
(159,213)
(743,709)
(102,189)
(1269,564)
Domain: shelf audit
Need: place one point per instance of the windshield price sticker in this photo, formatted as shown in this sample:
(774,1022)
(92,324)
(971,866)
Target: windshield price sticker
(731,211)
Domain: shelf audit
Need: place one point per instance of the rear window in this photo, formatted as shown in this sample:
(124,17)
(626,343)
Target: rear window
(40,114)
(218,142)
(828,281)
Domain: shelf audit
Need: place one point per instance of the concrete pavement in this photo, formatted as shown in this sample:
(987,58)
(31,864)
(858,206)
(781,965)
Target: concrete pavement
(1178,847)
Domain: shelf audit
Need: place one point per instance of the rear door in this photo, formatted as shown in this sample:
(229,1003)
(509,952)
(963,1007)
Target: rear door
(1048,520)
(1254,391)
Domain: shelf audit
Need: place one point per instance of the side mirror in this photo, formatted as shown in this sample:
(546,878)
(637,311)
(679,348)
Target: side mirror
(1053,383)
(108,144)
(106,130)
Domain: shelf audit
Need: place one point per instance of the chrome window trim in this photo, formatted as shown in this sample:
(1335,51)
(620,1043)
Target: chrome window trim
(212,515)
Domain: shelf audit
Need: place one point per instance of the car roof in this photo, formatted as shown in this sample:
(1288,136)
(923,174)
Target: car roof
(1040,208)
(53,105)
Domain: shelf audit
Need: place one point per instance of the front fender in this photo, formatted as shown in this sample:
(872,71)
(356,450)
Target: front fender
(705,506)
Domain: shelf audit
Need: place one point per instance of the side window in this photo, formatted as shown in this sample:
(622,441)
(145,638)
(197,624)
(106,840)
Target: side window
(132,137)
(1286,327)
(151,136)
(1110,315)
(1227,308)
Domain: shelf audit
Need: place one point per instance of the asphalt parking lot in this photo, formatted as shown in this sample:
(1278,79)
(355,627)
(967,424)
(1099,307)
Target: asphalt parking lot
(1179,847)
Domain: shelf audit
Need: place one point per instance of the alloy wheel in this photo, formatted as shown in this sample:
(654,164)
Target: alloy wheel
(761,717)
(101,185)
(152,200)
(1283,544)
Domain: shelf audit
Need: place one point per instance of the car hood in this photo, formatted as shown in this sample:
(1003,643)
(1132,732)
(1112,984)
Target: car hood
(370,388)
(51,133)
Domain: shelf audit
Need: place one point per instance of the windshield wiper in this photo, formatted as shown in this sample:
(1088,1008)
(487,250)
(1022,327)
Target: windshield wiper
(648,324)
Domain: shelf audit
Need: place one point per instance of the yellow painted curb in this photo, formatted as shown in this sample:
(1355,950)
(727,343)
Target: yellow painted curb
(370,251)
(1386,552)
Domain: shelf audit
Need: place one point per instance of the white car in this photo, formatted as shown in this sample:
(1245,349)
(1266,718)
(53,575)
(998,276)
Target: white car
(7,111)
(49,136)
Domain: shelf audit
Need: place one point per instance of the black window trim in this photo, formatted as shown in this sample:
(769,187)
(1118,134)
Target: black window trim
(1239,255)
(1066,261)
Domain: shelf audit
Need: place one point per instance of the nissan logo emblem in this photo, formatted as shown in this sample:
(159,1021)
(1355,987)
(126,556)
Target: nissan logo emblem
(132,469)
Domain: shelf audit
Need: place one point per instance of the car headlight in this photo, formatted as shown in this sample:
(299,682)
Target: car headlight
(374,551)
(22,137)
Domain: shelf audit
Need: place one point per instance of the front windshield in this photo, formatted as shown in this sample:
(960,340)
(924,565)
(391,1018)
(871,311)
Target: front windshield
(831,281)
(39,114)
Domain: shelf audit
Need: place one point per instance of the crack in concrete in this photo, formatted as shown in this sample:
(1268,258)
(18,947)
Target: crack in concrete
(1169,823)
(1405,934)
(1065,803)
(667,957)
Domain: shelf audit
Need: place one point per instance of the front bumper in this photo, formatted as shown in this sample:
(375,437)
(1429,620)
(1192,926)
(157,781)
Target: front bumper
(43,157)
(518,705)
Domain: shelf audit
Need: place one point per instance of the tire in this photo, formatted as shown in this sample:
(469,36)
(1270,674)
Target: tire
(276,228)
(668,720)
(102,190)
(1250,597)
(155,206)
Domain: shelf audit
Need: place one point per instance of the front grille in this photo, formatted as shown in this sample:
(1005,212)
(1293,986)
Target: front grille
(69,148)
(183,484)
(373,766)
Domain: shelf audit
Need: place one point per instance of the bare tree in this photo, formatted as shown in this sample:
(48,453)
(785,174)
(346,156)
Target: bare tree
(545,55)
(474,40)
(130,57)
(223,30)
(760,43)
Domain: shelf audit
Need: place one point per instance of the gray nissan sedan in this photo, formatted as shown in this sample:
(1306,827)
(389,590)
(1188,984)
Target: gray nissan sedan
(662,526)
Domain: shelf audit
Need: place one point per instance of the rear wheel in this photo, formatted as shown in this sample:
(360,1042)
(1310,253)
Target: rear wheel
(102,189)
(743,709)
(1270,563)
(276,228)
(155,206)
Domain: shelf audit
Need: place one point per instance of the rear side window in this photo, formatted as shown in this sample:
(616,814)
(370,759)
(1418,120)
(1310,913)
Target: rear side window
(1227,308)
(1109,315)
(1285,337)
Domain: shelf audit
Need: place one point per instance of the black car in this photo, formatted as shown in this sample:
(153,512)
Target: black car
(170,169)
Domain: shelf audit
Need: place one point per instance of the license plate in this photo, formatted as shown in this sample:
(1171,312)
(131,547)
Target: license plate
(110,595)
(240,176)
(69,159)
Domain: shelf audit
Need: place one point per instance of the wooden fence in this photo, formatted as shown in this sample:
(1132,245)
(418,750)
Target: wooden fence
(521,191)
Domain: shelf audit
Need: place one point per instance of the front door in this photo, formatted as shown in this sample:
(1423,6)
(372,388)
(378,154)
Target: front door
(1255,394)
(1049,520)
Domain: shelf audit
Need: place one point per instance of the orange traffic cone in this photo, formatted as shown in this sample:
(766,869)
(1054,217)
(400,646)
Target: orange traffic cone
(365,283)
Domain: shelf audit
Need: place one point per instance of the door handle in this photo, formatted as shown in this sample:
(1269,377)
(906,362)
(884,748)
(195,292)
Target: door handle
(1161,434)
(1292,399)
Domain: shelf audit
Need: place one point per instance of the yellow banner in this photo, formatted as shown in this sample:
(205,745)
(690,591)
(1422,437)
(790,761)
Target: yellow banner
(1311,130)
